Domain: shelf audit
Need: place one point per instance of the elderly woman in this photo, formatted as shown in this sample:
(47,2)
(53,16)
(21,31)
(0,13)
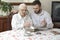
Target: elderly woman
(21,19)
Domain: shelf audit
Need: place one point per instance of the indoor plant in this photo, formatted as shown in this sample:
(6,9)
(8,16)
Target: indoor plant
(5,8)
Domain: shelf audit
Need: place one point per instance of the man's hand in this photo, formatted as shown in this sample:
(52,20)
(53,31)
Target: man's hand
(27,24)
(43,23)
(14,11)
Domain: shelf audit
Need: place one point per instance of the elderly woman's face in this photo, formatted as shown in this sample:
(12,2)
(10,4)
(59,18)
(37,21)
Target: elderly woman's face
(23,11)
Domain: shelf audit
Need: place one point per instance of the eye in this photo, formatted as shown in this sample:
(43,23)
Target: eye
(35,8)
(26,10)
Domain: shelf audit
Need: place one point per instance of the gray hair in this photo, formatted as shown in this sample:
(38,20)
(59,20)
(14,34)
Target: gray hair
(21,6)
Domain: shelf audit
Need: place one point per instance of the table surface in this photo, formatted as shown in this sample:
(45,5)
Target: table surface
(53,34)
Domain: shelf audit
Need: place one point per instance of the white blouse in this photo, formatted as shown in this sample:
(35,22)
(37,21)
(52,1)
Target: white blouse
(17,21)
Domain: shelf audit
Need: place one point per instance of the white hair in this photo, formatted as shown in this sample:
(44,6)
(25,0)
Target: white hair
(21,6)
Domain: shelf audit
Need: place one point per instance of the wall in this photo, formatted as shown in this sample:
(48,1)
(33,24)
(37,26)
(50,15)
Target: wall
(46,4)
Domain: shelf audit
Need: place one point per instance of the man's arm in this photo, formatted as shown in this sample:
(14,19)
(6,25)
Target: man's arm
(14,11)
(48,20)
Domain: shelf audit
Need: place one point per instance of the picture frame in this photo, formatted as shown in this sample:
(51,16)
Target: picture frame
(55,11)
(17,2)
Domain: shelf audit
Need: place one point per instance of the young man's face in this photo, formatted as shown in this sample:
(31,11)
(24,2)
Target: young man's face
(36,8)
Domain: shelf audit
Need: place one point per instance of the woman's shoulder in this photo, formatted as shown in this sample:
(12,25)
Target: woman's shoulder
(15,15)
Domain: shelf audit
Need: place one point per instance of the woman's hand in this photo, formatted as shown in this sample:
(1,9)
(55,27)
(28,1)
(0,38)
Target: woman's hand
(27,24)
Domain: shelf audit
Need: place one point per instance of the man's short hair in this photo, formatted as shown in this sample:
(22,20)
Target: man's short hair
(36,2)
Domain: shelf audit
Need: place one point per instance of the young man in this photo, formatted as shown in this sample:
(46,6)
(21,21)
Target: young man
(41,19)
(21,19)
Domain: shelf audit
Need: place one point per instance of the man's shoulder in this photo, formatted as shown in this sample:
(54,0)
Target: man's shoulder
(45,12)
